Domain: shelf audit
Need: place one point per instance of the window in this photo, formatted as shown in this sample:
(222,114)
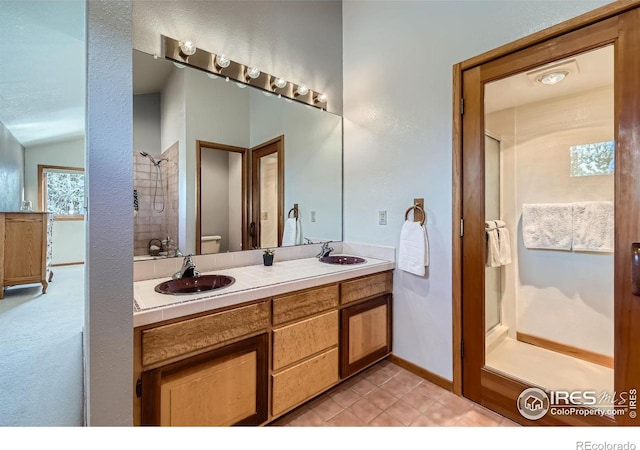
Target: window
(61,191)
(592,159)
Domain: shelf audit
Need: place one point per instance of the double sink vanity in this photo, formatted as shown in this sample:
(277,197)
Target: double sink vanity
(264,342)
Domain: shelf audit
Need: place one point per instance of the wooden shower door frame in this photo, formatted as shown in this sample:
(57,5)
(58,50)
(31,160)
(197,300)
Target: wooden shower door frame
(618,24)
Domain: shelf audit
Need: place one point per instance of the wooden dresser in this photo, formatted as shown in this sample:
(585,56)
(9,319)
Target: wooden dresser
(25,249)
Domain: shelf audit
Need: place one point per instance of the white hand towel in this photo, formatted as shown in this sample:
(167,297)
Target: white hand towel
(593,226)
(504,242)
(291,232)
(413,252)
(492,244)
(547,225)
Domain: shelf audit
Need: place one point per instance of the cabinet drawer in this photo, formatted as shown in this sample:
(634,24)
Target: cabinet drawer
(300,382)
(301,339)
(169,341)
(302,304)
(366,287)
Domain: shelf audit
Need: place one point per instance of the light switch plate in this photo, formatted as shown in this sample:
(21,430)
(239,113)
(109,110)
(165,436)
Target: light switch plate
(382,217)
(313,216)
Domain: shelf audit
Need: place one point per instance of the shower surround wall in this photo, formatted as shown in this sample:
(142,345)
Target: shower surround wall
(563,296)
(149,223)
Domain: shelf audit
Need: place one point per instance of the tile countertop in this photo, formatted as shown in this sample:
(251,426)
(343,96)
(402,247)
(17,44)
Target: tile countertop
(252,283)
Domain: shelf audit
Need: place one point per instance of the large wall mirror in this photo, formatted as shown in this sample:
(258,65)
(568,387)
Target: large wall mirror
(219,165)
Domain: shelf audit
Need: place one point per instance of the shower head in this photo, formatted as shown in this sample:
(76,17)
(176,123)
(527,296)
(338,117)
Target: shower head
(150,158)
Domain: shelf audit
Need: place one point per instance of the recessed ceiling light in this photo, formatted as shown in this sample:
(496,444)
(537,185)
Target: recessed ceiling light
(553,77)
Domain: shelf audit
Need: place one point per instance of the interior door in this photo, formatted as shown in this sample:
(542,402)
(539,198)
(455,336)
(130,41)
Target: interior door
(501,391)
(267,188)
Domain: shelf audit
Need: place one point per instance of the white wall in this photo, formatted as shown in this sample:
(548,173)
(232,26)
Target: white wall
(68,235)
(300,41)
(146,119)
(215,195)
(576,286)
(109,259)
(398,59)
(11,171)
(207,121)
(313,160)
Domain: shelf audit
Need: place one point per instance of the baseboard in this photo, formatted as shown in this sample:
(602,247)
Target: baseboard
(423,373)
(585,355)
(68,264)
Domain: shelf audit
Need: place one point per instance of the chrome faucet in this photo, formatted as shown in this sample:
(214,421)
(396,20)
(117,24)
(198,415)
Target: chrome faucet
(325,250)
(188,269)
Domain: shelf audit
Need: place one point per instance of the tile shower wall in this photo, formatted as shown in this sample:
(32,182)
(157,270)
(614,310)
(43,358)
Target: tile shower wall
(149,223)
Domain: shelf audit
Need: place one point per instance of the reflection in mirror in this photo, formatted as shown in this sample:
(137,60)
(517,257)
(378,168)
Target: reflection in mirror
(189,118)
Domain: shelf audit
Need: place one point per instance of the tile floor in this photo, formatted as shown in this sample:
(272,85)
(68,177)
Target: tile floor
(388,395)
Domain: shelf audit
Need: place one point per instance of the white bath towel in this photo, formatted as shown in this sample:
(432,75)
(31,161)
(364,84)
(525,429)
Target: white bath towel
(492,244)
(593,226)
(291,234)
(547,225)
(413,252)
(504,242)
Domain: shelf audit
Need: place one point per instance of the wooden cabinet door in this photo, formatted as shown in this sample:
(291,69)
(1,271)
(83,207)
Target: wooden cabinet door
(366,334)
(227,386)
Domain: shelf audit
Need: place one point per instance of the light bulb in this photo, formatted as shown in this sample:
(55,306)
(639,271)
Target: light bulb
(241,85)
(279,82)
(321,98)
(178,65)
(302,90)
(253,72)
(188,48)
(212,76)
(553,77)
(222,61)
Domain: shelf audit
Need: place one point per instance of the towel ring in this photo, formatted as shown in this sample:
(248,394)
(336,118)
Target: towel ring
(295,213)
(414,208)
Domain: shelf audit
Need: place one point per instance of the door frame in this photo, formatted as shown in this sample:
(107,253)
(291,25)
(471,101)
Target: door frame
(552,41)
(258,152)
(245,202)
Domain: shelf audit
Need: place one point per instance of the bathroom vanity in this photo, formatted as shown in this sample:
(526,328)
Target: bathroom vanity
(264,347)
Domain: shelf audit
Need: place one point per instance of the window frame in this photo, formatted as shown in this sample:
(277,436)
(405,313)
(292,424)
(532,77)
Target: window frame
(42,189)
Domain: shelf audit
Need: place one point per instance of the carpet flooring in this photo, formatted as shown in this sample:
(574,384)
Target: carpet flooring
(41,352)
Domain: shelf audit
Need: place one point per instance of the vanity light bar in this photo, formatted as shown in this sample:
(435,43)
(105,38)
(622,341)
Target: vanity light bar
(222,66)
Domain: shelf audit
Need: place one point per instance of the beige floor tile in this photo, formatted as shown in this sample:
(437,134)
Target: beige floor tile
(458,404)
(403,413)
(395,388)
(417,401)
(345,398)
(381,398)
(385,420)
(478,419)
(325,407)
(378,377)
(345,419)
(363,387)
(429,390)
(411,380)
(308,419)
(442,415)
(364,410)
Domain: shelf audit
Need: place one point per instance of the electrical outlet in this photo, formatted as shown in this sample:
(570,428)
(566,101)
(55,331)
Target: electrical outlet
(382,217)
(264,216)
(313,216)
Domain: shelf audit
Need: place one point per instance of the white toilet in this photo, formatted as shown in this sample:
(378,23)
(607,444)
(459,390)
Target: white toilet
(210,244)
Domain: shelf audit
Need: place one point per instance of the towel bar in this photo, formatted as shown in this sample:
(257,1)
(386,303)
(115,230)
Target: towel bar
(414,208)
(295,211)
